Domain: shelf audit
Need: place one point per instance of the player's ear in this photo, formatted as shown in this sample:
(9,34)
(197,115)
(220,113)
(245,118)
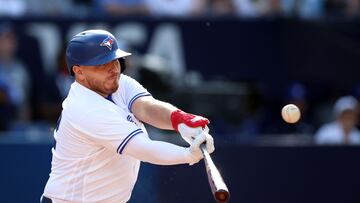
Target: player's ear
(78,72)
(76,69)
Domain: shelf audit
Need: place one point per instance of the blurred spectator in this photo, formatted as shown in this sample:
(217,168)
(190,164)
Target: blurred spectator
(257,8)
(177,8)
(221,7)
(63,79)
(52,89)
(342,8)
(335,7)
(353,8)
(14,80)
(305,9)
(52,8)
(154,74)
(13,8)
(18,8)
(343,130)
(120,7)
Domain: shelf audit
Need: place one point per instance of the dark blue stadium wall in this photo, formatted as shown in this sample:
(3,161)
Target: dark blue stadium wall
(253,174)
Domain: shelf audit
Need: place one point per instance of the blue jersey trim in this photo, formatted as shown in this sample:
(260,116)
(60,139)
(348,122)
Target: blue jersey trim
(123,147)
(124,142)
(142,94)
(109,97)
(58,123)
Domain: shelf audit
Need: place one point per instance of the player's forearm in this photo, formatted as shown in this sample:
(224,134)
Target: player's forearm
(156,152)
(154,112)
(166,154)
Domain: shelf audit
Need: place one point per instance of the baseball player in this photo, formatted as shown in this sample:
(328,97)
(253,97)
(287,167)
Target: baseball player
(100,136)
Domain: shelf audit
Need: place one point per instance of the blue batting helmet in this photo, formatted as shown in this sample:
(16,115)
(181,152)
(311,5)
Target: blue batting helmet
(92,48)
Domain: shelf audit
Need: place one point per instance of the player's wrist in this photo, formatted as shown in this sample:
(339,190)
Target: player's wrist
(178,116)
(192,157)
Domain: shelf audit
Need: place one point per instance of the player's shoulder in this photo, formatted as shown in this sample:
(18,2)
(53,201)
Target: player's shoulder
(126,77)
(127,89)
(95,122)
(90,107)
(83,105)
(105,115)
(95,117)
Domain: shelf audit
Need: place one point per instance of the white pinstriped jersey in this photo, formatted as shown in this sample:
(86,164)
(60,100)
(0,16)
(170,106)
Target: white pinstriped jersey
(87,163)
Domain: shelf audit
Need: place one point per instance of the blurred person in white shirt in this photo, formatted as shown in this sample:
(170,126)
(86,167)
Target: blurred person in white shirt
(305,9)
(343,130)
(13,8)
(176,8)
(255,9)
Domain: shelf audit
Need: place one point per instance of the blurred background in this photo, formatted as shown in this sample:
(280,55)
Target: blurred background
(237,62)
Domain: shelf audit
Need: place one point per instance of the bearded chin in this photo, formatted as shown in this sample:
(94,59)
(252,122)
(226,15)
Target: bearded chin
(113,87)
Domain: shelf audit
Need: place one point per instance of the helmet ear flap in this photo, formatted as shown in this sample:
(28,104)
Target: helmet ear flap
(122,64)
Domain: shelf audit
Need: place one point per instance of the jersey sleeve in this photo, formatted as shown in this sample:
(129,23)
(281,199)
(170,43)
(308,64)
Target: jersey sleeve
(158,152)
(129,91)
(110,130)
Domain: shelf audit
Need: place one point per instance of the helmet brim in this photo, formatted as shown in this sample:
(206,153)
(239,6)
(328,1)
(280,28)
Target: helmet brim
(107,58)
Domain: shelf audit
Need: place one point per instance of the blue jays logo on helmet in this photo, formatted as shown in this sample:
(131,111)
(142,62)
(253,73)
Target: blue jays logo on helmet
(108,42)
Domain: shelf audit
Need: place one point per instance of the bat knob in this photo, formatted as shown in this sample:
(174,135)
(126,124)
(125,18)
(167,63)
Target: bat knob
(222,196)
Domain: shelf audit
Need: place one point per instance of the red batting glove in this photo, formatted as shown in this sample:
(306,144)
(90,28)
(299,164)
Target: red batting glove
(188,119)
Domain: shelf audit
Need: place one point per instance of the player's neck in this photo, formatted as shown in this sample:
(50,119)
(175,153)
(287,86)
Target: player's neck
(92,89)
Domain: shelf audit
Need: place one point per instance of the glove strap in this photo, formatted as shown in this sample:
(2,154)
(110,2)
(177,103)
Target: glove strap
(179,116)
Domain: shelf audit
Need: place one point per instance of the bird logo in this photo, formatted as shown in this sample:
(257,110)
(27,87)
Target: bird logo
(107,42)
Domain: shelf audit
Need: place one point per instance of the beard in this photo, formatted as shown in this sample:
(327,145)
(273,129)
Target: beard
(106,87)
(112,87)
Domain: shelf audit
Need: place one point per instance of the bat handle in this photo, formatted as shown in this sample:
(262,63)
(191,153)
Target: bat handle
(203,149)
(217,184)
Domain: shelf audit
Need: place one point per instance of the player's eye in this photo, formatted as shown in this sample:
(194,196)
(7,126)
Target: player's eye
(102,66)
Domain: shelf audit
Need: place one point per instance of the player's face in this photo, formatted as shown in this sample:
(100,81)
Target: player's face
(349,119)
(103,79)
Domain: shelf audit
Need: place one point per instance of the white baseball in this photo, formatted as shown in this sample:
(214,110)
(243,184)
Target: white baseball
(290,113)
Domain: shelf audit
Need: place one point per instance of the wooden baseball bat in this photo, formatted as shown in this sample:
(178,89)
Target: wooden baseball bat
(217,184)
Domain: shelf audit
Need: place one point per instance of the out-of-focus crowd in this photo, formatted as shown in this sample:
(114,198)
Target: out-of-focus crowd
(181,8)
